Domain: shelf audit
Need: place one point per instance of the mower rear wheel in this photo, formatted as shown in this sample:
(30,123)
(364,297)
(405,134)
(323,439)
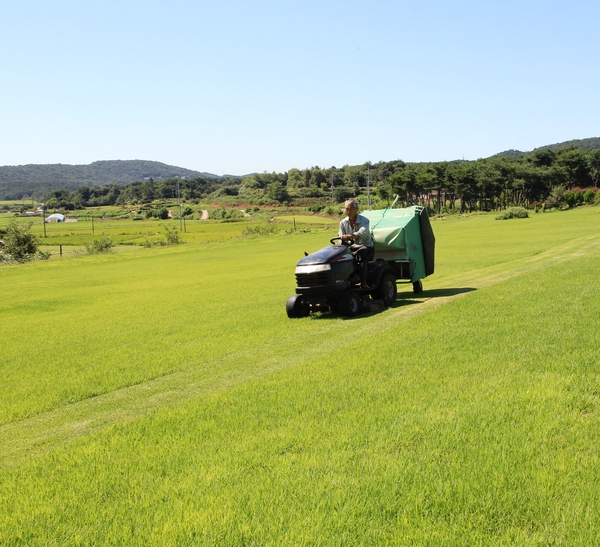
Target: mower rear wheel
(387,290)
(418,287)
(349,304)
(297,307)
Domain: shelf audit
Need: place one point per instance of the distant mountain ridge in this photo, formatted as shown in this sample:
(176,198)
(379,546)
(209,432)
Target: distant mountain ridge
(592,143)
(97,173)
(36,179)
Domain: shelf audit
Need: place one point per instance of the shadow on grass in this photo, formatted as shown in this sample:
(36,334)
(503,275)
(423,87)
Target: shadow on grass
(404,299)
(435,293)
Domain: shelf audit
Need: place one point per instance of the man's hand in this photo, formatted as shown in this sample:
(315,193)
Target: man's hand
(347,237)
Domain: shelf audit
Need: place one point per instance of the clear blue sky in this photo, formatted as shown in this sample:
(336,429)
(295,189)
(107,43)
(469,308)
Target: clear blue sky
(262,85)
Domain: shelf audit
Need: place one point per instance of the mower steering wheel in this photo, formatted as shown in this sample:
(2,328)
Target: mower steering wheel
(338,239)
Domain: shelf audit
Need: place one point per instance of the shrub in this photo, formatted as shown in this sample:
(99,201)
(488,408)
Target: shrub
(589,196)
(226,214)
(19,244)
(172,236)
(513,212)
(332,211)
(556,198)
(290,231)
(98,246)
(162,213)
(264,230)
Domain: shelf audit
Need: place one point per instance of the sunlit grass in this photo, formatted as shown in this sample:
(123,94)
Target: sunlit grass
(444,420)
(308,219)
(143,232)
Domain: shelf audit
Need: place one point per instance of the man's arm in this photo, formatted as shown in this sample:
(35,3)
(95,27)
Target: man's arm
(343,227)
(364,228)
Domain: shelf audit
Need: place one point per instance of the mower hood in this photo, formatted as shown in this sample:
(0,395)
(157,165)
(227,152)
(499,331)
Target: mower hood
(327,255)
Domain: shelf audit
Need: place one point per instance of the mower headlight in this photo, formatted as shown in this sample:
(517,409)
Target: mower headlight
(313,268)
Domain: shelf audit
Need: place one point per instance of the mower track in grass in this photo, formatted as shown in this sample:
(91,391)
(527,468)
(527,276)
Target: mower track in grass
(52,429)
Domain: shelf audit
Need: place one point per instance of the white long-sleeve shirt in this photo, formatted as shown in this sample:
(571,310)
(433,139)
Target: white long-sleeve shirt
(362,234)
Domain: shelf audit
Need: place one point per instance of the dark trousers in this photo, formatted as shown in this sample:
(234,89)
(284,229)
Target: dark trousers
(362,255)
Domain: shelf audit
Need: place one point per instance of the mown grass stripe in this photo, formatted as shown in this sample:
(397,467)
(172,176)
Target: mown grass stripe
(38,434)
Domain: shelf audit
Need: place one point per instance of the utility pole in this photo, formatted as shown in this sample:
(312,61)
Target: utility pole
(179,206)
(369,186)
(332,188)
(44,217)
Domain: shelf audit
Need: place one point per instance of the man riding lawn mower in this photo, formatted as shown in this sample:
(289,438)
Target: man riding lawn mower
(360,270)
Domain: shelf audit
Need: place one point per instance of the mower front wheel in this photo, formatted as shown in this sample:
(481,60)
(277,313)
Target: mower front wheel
(297,307)
(418,287)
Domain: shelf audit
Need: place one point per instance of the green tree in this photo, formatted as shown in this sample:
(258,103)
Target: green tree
(577,166)
(82,194)
(342,194)
(439,182)
(355,177)
(595,167)
(462,177)
(318,178)
(555,176)
(295,179)
(488,184)
(404,183)
(277,191)
(543,158)
(148,192)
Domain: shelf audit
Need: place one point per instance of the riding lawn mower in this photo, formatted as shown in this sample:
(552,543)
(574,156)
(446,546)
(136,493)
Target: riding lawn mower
(329,279)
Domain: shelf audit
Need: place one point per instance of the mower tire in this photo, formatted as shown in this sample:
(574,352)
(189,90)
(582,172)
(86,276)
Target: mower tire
(387,289)
(297,307)
(349,304)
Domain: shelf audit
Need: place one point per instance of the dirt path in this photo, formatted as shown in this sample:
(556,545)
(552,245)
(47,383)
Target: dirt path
(204,214)
(63,425)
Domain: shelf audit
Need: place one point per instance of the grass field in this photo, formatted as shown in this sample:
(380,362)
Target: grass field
(163,397)
(128,232)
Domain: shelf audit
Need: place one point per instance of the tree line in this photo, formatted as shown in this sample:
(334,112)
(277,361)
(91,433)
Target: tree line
(498,182)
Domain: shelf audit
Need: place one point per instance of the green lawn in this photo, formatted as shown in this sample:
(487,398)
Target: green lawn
(163,397)
(141,232)
(308,219)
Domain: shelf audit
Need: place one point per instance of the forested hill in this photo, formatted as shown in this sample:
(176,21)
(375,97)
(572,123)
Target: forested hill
(575,166)
(19,180)
(583,144)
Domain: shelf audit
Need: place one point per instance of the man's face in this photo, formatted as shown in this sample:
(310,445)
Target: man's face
(349,210)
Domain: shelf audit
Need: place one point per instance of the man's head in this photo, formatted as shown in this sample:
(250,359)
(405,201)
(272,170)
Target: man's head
(351,207)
